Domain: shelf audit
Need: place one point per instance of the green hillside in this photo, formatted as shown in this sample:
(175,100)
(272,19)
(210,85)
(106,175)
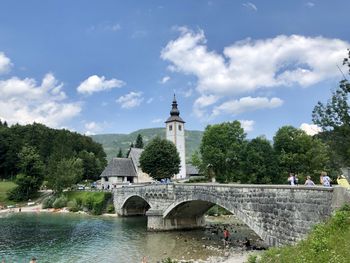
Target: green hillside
(112,142)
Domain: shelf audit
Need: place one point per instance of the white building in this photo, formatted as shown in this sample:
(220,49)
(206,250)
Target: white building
(175,132)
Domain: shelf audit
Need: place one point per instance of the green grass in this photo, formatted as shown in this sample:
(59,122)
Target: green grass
(5,186)
(95,202)
(327,243)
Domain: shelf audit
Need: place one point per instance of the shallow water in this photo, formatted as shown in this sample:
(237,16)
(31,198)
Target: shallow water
(80,238)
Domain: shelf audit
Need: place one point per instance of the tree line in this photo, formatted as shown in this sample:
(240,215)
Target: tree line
(33,153)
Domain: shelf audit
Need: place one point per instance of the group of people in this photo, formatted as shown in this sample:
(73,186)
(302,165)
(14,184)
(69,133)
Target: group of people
(325,180)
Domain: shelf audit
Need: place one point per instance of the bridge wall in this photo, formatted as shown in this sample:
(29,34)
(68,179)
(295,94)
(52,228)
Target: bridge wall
(278,214)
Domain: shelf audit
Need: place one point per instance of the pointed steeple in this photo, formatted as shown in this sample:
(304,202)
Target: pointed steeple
(174,113)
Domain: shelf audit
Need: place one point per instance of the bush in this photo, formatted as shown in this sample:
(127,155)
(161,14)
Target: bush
(60,202)
(94,202)
(110,209)
(73,206)
(48,202)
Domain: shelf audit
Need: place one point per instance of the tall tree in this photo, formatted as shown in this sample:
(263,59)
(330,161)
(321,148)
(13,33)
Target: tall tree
(120,153)
(221,149)
(139,142)
(260,163)
(300,153)
(160,159)
(31,175)
(65,173)
(334,119)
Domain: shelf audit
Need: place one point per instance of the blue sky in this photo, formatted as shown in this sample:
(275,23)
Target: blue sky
(113,66)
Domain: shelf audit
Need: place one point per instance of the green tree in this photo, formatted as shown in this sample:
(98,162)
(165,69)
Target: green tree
(64,173)
(139,142)
(260,163)
(221,150)
(120,153)
(334,119)
(30,177)
(160,159)
(300,153)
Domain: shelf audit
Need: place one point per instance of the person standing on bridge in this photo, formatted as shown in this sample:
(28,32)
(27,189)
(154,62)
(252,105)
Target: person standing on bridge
(325,179)
(291,179)
(309,182)
(226,236)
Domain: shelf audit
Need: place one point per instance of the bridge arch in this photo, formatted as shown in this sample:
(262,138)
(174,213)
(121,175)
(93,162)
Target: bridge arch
(135,205)
(196,208)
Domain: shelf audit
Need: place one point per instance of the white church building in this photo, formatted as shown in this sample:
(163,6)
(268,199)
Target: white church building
(128,170)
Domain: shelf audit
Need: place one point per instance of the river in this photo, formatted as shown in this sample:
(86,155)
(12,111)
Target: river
(81,238)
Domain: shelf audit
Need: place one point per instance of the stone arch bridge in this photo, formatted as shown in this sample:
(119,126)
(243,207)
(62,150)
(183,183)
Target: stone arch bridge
(279,214)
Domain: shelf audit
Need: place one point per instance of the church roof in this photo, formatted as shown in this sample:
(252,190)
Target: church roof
(119,167)
(135,154)
(174,113)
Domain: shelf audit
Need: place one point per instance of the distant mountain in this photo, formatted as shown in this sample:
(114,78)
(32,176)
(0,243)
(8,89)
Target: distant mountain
(112,142)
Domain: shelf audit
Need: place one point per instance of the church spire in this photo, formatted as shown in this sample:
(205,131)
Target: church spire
(174,113)
(174,110)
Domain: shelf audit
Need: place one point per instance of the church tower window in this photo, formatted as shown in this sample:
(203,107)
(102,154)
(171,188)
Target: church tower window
(170,127)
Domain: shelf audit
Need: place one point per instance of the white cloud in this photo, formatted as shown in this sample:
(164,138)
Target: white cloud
(5,63)
(249,66)
(24,101)
(250,6)
(95,83)
(130,100)
(150,100)
(310,129)
(164,79)
(247,125)
(245,104)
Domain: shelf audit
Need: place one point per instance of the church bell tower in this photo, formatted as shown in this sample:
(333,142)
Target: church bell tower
(175,132)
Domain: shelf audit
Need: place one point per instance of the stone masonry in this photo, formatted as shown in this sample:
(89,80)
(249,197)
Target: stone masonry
(279,214)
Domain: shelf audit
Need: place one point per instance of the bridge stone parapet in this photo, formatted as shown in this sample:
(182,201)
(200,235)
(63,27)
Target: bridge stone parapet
(279,214)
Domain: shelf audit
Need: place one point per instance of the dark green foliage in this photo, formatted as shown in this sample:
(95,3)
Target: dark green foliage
(260,163)
(120,153)
(160,159)
(221,148)
(30,177)
(300,153)
(139,142)
(64,173)
(328,242)
(50,144)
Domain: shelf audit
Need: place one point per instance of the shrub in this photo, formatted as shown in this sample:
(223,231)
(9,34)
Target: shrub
(48,202)
(110,209)
(73,206)
(60,202)
(252,258)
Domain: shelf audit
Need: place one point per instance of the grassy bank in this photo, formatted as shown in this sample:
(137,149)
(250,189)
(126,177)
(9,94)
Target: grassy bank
(328,243)
(92,202)
(6,186)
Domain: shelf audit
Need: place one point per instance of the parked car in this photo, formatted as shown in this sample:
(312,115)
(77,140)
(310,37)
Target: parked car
(81,187)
